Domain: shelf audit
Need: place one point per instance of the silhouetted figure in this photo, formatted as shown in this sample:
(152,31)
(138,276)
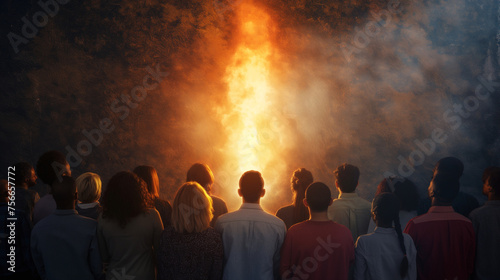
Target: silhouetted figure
(407,194)
(252,238)
(297,212)
(190,248)
(89,187)
(26,197)
(50,168)
(23,267)
(444,239)
(317,248)
(486,222)
(202,174)
(64,244)
(464,203)
(349,209)
(150,176)
(128,229)
(386,253)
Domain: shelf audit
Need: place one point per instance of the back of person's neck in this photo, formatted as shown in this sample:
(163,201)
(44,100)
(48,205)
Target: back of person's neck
(246,202)
(437,202)
(318,216)
(384,224)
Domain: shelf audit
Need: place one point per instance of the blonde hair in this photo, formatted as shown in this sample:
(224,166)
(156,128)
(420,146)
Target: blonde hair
(192,209)
(89,187)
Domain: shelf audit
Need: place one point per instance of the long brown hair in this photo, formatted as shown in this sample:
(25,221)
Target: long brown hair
(125,197)
(300,180)
(150,176)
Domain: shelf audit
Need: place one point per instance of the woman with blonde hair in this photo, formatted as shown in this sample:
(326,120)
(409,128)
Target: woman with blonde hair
(89,188)
(190,248)
(150,176)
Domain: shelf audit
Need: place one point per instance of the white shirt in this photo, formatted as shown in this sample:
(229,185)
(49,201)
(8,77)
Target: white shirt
(252,242)
(379,256)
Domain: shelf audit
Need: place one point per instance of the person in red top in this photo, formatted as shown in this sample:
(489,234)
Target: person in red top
(444,239)
(317,248)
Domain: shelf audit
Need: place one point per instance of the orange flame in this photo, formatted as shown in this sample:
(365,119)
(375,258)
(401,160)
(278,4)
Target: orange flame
(253,133)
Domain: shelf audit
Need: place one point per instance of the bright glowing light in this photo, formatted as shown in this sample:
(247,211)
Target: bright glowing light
(253,134)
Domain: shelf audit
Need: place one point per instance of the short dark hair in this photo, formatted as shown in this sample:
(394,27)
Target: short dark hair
(251,186)
(201,174)
(446,187)
(347,176)
(64,191)
(404,189)
(386,205)
(22,172)
(44,166)
(492,175)
(318,196)
(450,165)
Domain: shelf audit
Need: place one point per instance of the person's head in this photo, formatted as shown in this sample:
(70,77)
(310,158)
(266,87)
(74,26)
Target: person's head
(403,188)
(301,179)
(4,191)
(318,197)
(449,165)
(385,212)
(443,188)
(24,175)
(251,186)
(52,166)
(150,176)
(385,208)
(192,210)
(125,197)
(89,187)
(491,182)
(65,193)
(201,174)
(346,178)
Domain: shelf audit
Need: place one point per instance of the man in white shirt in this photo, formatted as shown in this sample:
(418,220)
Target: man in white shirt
(252,238)
(349,209)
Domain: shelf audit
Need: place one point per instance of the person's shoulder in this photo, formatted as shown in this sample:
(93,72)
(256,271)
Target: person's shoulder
(216,199)
(285,209)
(479,212)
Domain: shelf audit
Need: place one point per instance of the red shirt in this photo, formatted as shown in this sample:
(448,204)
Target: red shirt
(317,250)
(445,243)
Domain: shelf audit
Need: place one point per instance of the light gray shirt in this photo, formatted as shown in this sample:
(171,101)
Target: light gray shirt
(486,222)
(379,256)
(252,242)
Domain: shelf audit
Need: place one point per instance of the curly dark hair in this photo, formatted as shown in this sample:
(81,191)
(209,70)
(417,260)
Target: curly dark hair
(125,197)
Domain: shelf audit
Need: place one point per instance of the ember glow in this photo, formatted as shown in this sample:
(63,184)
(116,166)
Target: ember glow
(253,136)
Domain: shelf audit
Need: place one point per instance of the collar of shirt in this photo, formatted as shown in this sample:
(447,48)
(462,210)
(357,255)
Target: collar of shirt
(348,195)
(384,230)
(253,206)
(441,209)
(63,212)
(87,205)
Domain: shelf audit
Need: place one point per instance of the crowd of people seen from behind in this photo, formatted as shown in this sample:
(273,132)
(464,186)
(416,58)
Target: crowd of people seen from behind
(81,230)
